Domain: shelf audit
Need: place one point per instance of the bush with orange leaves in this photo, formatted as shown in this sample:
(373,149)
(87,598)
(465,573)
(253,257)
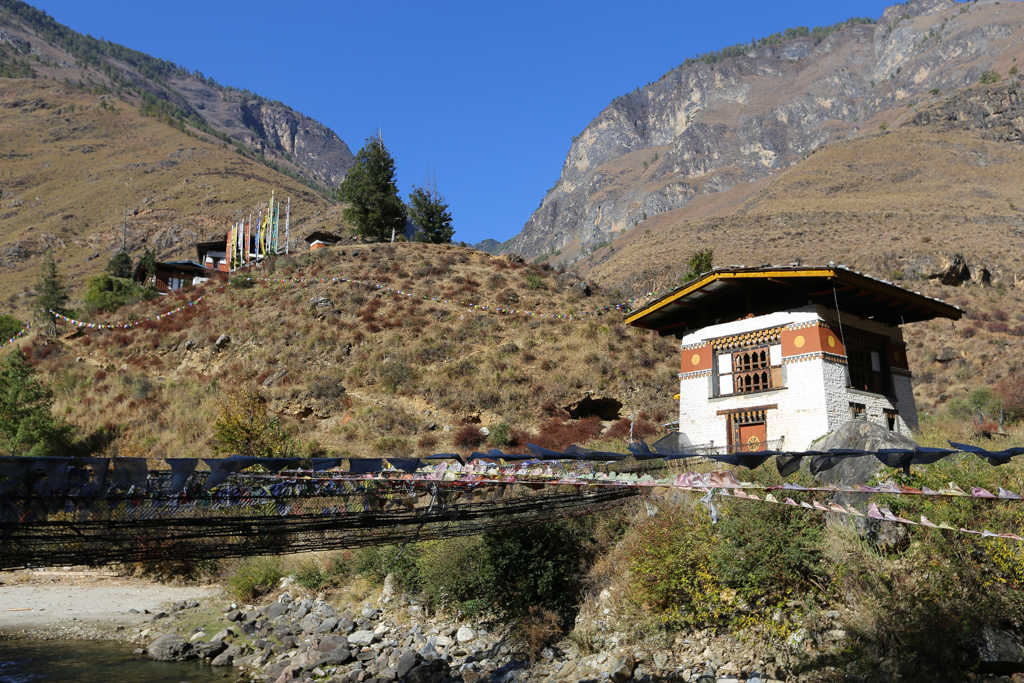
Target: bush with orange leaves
(243,427)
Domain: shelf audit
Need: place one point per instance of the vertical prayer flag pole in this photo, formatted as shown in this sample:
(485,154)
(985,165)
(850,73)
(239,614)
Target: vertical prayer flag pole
(259,232)
(277,223)
(248,240)
(227,247)
(287,215)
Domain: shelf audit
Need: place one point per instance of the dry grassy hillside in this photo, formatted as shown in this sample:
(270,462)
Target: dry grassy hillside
(72,161)
(357,371)
(897,205)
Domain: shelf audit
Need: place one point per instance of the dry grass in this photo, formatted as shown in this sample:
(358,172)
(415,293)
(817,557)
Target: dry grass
(63,182)
(404,363)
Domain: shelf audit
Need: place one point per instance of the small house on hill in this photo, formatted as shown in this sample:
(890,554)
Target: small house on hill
(319,239)
(212,255)
(777,357)
(172,276)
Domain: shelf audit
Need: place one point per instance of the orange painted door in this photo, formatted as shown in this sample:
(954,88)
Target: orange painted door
(752,437)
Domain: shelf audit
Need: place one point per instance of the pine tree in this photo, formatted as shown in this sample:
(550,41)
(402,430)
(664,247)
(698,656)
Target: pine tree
(428,210)
(149,265)
(53,294)
(27,427)
(370,190)
(120,265)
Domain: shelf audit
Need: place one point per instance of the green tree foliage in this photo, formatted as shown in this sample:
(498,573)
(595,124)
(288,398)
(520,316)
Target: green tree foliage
(244,428)
(700,262)
(104,292)
(428,210)
(989,77)
(371,193)
(53,294)
(149,264)
(120,265)
(27,427)
(9,326)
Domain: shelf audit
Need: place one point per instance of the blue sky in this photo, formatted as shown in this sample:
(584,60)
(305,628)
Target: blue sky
(487,94)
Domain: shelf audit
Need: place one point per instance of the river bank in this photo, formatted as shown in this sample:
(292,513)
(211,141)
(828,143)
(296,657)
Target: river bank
(83,605)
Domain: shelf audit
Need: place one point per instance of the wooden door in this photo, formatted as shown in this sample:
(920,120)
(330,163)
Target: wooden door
(752,437)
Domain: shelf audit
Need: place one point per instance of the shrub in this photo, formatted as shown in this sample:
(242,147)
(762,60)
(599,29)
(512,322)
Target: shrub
(255,577)
(468,436)
(641,428)
(500,434)
(989,76)
(766,550)
(106,293)
(242,282)
(558,435)
(534,282)
(9,326)
(670,558)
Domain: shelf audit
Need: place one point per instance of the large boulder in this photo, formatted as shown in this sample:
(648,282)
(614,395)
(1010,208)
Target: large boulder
(858,435)
(171,648)
(434,671)
(953,270)
(996,652)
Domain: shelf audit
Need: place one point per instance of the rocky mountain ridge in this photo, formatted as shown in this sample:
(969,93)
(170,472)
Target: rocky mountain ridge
(289,138)
(708,133)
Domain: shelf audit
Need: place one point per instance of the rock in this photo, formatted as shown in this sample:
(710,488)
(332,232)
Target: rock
(325,611)
(465,634)
(946,355)
(406,663)
(509,296)
(953,270)
(443,641)
(171,648)
(661,659)
(346,625)
(514,258)
(580,288)
(275,610)
(484,431)
(310,624)
(370,613)
(290,673)
(361,638)
(301,612)
(860,435)
(223,659)
(327,625)
(233,615)
(433,671)
(222,341)
(621,669)
(995,650)
(210,649)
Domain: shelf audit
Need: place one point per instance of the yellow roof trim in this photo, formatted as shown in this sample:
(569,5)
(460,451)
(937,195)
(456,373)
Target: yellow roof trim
(727,275)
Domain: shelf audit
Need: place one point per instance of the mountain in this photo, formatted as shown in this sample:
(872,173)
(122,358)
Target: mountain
(32,44)
(489,245)
(713,133)
(73,163)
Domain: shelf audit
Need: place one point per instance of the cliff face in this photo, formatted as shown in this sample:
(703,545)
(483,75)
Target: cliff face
(706,129)
(288,138)
(272,129)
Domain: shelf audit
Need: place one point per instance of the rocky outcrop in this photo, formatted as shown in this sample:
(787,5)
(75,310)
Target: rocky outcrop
(269,127)
(705,128)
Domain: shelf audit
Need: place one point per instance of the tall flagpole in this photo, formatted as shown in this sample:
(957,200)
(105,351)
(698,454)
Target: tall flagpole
(277,226)
(287,214)
(248,240)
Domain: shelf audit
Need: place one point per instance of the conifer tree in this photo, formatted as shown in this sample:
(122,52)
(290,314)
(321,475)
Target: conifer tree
(370,190)
(120,265)
(53,294)
(27,426)
(428,210)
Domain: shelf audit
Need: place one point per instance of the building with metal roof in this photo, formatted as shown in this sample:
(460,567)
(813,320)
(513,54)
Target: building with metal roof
(781,356)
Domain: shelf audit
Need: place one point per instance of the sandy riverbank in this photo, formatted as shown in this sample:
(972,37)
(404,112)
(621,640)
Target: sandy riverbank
(50,602)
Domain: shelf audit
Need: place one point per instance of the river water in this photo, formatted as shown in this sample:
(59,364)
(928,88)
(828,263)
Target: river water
(72,661)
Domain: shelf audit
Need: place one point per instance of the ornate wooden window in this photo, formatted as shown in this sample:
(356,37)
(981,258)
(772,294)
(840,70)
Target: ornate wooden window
(751,370)
(858,411)
(748,362)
